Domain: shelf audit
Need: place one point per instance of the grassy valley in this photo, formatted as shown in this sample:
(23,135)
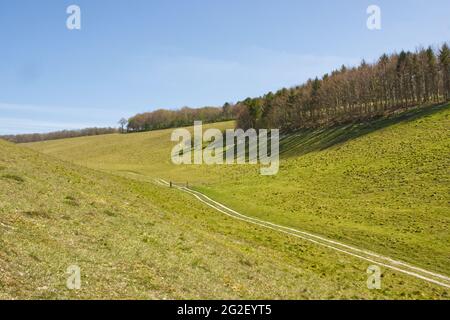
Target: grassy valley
(133,239)
(225,151)
(381,185)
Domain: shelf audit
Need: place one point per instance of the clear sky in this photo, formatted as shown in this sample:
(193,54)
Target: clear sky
(139,55)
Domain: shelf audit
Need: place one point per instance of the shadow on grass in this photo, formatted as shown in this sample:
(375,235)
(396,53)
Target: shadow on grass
(13,177)
(306,141)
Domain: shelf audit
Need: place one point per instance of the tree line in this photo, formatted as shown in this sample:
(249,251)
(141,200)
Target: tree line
(394,82)
(162,119)
(34,137)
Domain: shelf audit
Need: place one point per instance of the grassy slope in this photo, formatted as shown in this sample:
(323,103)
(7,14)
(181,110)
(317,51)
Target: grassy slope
(133,239)
(387,190)
(382,186)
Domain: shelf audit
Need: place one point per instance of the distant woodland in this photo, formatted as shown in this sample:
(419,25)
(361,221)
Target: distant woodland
(395,82)
(34,137)
(162,119)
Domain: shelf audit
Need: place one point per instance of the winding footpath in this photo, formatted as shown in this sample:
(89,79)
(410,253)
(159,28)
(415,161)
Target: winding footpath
(362,254)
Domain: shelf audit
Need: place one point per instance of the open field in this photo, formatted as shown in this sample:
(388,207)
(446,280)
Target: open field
(382,187)
(134,239)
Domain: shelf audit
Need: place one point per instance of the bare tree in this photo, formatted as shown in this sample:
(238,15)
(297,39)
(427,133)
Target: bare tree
(122,122)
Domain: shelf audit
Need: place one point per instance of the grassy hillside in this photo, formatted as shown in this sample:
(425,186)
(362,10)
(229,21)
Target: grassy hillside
(145,153)
(133,239)
(382,186)
(385,188)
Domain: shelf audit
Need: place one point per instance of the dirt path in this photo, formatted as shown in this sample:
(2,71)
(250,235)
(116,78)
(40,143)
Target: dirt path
(362,254)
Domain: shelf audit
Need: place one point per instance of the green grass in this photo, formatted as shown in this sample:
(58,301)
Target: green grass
(133,239)
(382,186)
(387,190)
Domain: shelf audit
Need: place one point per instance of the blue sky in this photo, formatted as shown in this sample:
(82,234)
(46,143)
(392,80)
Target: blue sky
(139,55)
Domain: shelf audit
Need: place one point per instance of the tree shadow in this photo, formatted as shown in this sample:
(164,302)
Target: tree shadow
(310,140)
